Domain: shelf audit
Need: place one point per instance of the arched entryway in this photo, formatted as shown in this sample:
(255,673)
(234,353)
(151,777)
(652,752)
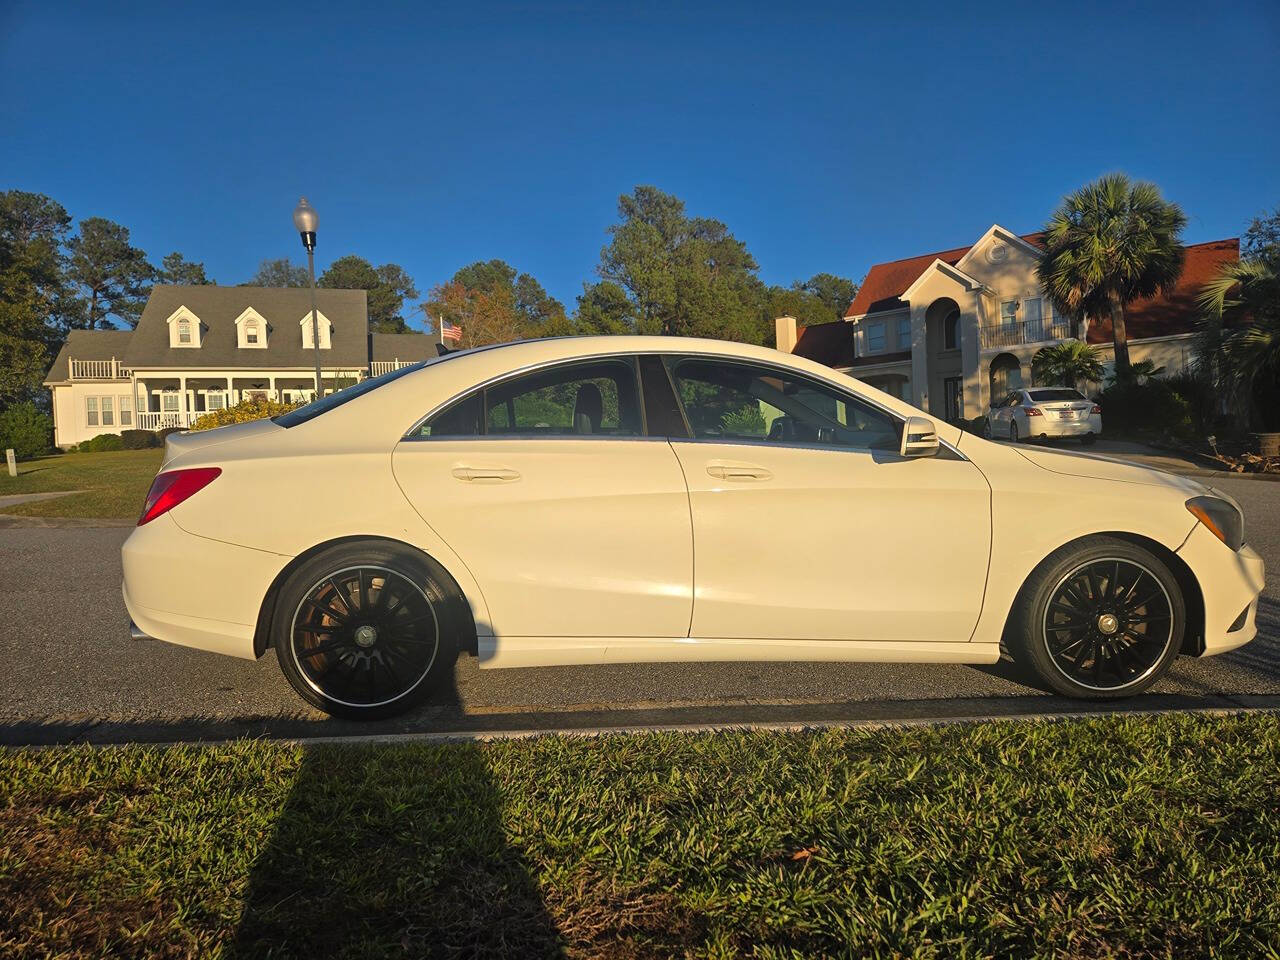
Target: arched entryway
(946,375)
(1005,375)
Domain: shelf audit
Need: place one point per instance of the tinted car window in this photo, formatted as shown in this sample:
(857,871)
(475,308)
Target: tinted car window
(725,400)
(595,398)
(345,395)
(1050,396)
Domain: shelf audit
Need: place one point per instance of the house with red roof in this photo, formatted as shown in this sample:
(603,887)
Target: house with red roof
(953,330)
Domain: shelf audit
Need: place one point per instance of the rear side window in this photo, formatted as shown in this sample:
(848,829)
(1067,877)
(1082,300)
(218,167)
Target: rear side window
(594,398)
(345,395)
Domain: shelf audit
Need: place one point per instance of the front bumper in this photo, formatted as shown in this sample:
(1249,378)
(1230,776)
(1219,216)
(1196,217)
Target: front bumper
(193,591)
(1230,583)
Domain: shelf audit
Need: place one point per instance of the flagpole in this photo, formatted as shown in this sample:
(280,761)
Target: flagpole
(440,327)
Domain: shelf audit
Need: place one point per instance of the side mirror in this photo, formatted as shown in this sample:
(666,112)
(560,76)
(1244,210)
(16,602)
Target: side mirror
(919,438)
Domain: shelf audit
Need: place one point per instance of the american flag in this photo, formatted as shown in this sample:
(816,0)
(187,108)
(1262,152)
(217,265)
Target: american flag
(449,331)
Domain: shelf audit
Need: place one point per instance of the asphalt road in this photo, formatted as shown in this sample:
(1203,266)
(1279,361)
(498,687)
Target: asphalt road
(70,672)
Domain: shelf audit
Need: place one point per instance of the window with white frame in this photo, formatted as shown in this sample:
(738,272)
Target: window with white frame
(251,332)
(108,411)
(874,333)
(904,333)
(169,402)
(91,411)
(1008,312)
(184,331)
(1032,317)
(184,328)
(215,400)
(126,411)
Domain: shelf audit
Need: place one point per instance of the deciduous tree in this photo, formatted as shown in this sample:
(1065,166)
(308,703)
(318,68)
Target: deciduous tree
(279,273)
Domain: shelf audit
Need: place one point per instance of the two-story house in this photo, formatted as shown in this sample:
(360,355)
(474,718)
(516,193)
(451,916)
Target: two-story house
(198,349)
(949,331)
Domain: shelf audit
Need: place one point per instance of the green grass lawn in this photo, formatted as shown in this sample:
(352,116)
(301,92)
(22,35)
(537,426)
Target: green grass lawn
(1111,837)
(114,484)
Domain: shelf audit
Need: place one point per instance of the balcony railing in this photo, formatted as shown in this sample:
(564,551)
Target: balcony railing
(379,367)
(1018,332)
(99,370)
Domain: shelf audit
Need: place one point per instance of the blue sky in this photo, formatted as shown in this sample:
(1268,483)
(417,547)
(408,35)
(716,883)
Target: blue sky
(827,137)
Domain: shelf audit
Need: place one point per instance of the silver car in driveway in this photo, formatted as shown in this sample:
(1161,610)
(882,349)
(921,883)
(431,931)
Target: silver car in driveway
(1045,413)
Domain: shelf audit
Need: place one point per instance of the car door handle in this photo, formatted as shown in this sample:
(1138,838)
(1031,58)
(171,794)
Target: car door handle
(487,474)
(728,470)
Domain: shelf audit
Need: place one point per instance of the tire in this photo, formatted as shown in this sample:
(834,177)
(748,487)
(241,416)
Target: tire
(1089,633)
(1013,432)
(390,620)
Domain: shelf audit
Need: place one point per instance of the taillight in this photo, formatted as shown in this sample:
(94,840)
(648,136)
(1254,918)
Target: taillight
(1096,409)
(170,489)
(1032,412)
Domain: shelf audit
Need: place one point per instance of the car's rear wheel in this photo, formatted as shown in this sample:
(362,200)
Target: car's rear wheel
(1013,432)
(1099,619)
(367,630)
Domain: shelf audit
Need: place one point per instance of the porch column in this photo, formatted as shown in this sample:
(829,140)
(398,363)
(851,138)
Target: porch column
(227,400)
(970,367)
(271,384)
(182,399)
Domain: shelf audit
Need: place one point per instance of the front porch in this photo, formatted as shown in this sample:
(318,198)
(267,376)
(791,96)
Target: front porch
(168,399)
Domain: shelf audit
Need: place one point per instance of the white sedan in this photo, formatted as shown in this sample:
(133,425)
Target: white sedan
(1045,413)
(623,499)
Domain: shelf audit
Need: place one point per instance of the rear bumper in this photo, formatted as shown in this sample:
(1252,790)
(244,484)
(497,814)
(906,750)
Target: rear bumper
(1047,427)
(193,591)
(1230,582)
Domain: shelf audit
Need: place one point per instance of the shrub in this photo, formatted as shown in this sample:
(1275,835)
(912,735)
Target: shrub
(255,408)
(102,443)
(139,439)
(166,431)
(27,430)
(1201,398)
(1151,408)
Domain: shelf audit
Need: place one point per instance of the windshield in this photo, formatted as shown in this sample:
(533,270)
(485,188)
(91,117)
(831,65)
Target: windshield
(338,398)
(1040,396)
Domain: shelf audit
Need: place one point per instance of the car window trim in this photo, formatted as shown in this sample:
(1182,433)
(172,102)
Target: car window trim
(675,352)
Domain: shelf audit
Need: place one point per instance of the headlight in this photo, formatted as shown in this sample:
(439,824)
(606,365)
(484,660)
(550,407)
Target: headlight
(1223,520)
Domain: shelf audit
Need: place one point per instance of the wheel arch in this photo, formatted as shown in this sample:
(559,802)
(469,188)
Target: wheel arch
(262,630)
(1192,596)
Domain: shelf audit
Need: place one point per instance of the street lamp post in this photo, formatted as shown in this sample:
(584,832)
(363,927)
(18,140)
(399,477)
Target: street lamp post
(305,220)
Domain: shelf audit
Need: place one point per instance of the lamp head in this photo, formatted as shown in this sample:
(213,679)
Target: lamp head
(306,219)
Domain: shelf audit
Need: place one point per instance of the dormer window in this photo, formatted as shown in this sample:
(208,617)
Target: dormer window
(326,328)
(252,330)
(184,328)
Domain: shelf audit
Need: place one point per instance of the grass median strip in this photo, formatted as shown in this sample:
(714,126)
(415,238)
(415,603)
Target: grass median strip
(113,484)
(1118,836)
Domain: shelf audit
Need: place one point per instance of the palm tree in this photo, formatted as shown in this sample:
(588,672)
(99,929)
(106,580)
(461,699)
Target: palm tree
(1066,364)
(1239,338)
(1111,242)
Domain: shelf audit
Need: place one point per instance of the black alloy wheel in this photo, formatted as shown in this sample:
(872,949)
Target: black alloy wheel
(1108,624)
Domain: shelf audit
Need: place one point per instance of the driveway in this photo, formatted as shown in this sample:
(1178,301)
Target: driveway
(71,672)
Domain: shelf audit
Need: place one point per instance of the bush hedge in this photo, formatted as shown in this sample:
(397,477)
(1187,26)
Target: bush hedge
(27,430)
(254,408)
(139,439)
(100,444)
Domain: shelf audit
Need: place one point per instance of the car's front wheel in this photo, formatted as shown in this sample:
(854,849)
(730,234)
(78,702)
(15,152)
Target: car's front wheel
(1099,619)
(367,630)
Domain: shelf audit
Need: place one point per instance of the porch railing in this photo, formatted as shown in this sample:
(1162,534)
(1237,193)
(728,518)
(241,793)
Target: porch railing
(163,420)
(379,367)
(99,370)
(1018,332)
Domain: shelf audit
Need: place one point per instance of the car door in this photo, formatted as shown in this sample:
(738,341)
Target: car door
(572,521)
(807,522)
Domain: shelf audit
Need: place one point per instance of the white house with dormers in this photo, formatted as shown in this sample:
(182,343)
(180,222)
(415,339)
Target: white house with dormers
(198,349)
(953,330)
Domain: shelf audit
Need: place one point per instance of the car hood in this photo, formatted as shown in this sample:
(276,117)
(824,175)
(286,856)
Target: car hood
(177,444)
(1100,467)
